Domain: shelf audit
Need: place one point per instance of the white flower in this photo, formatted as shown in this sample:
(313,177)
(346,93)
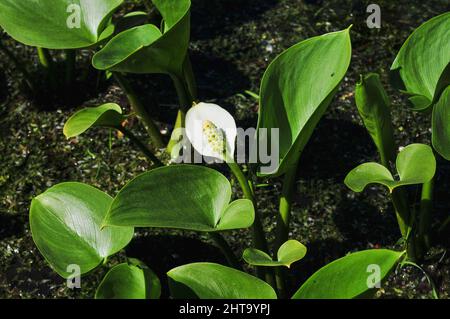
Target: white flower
(211,130)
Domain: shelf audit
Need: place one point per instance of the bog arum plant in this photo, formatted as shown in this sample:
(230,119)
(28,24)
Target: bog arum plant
(296,90)
(421,70)
(148,49)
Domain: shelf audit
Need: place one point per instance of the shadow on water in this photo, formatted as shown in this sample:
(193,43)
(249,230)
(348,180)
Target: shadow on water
(338,146)
(211,18)
(165,252)
(215,77)
(12,225)
(362,224)
(54,93)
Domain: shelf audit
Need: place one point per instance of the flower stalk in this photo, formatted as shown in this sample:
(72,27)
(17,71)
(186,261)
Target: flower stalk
(426,206)
(284,217)
(212,132)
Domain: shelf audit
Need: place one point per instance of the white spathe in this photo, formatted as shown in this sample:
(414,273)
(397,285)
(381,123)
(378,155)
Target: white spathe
(211,130)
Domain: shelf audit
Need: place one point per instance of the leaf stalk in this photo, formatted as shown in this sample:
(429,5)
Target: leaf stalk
(140,110)
(226,250)
(140,145)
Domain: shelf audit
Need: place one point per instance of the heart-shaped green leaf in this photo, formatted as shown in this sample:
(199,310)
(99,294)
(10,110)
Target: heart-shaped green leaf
(180,196)
(288,253)
(423,61)
(415,165)
(65,224)
(58,24)
(132,280)
(441,125)
(296,90)
(214,281)
(108,115)
(146,48)
(351,276)
(373,106)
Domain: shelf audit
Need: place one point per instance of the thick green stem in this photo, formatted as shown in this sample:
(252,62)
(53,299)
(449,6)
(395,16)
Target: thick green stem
(184,96)
(426,206)
(20,66)
(284,216)
(285,206)
(398,198)
(406,221)
(384,158)
(280,278)
(226,250)
(189,78)
(140,111)
(140,145)
(259,238)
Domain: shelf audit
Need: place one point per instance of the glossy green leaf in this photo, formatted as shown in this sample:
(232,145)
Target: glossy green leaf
(146,48)
(108,115)
(369,173)
(423,61)
(415,165)
(132,280)
(288,253)
(54,24)
(180,196)
(441,125)
(297,88)
(374,108)
(214,281)
(65,224)
(351,276)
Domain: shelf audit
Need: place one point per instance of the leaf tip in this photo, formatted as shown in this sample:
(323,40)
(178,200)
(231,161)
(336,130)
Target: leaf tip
(66,134)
